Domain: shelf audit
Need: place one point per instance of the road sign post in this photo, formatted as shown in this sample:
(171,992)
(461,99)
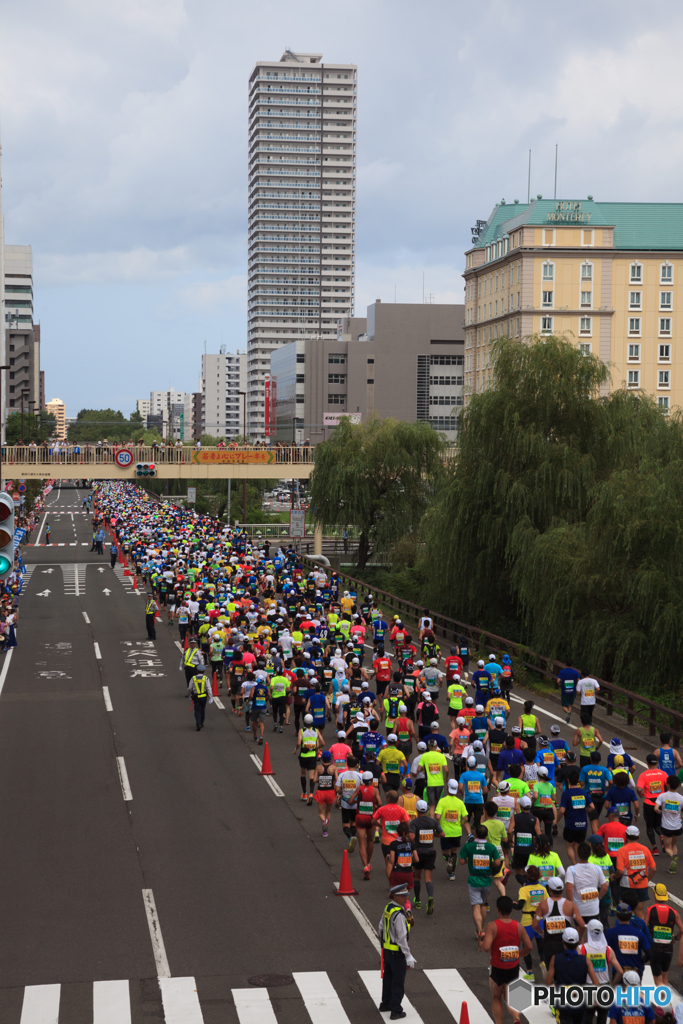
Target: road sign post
(297,522)
(191,495)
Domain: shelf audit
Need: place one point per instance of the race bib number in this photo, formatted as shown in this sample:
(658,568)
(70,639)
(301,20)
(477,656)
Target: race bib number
(578,803)
(662,934)
(504,814)
(636,861)
(545,801)
(614,843)
(524,839)
(671,806)
(599,961)
(391,827)
(589,692)
(453,816)
(481,862)
(364,807)
(426,836)
(587,895)
(555,925)
(348,785)
(509,954)
(628,945)
(435,769)
(405,860)
(473,787)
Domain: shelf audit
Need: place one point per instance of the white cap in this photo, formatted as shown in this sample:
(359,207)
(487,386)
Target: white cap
(308,719)
(419,663)
(365,686)
(498,720)
(367,776)
(433,661)
(631,977)
(460,719)
(469,700)
(366,700)
(555,883)
(426,695)
(422,805)
(355,661)
(525,802)
(504,786)
(479,707)
(597,926)
(492,657)
(571,937)
(341,735)
(402,708)
(452,786)
(632,830)
(392,737)
(555,729)
(422,745)
(542,771)
(480,664)
(360,716)
(477,745)
(471,762)
(337,653)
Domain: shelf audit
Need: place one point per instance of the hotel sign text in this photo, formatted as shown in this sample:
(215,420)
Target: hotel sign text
(568,213)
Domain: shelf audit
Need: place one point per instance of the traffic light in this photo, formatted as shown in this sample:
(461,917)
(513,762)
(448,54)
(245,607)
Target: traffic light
(6,535)
(146,469)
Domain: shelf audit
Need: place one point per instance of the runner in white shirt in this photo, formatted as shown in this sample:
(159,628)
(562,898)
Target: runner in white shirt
(588,687)
(669,806)
(584,883)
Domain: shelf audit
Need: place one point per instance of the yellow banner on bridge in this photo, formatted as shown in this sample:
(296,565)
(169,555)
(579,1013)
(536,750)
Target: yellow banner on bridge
(239,457)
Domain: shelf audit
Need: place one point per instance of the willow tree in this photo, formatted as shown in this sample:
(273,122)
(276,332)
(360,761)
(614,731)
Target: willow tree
(378,476)
(529,450)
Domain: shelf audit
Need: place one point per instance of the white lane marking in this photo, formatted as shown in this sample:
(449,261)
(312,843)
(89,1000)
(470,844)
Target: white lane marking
(41,1004)
(85,616)
(123,776)
(84,543)
(37,540)
(107,699)
(179,645)
(362,918)
(98,653)
(111,1002)
(269,778)
(373,983)
(219,703)
(322,1002)
(454,991)
(5,668)
(253,1006)
(550,714)
(181,1002)
(158,948)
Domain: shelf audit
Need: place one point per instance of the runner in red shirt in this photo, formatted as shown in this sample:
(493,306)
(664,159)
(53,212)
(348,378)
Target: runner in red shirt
(650,784)
(390,815)
(507,941)
(453,664)
(382,668)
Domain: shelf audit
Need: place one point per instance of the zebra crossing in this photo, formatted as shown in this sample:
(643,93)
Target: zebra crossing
(128,582)
(324,999)
(74,579)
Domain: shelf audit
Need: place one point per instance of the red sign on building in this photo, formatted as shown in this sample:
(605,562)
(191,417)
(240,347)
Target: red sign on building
(271,401)
(267,430)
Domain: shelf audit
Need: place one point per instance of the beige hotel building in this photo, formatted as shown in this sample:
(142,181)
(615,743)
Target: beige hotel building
(604,275)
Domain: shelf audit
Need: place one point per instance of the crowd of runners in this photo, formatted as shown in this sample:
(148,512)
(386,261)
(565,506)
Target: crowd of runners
(417,751)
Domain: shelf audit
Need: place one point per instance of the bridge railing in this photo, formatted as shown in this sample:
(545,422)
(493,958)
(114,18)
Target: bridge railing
(634,707)
(98,455)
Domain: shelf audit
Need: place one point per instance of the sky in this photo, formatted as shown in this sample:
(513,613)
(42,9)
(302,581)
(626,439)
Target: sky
(124,161)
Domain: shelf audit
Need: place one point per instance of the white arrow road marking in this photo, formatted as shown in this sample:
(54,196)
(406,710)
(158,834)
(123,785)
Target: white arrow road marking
(101,569)
(44,593)
(106,591)
(44,571)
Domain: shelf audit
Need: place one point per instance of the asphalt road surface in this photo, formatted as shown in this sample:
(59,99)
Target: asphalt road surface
(147,871)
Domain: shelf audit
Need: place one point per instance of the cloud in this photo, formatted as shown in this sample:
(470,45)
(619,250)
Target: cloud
(216,294)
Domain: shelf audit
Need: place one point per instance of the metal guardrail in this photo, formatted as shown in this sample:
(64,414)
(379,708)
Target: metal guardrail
(635,708)
(95,455)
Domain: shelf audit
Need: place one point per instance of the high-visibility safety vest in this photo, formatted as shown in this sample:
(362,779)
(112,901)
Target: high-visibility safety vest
(200,686)
(149,610)
(189,655)
(389,911)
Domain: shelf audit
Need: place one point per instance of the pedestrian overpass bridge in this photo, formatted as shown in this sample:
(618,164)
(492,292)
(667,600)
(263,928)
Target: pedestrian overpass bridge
(92,462)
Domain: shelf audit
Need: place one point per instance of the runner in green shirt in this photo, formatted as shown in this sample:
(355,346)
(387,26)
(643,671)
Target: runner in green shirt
(518,787)
(498,835)
(434,763)
(482,862)
(451,815)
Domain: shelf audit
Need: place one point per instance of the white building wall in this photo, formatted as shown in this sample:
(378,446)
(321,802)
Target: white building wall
(224,376)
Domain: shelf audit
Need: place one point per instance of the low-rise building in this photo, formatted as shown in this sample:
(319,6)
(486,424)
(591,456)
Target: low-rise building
(404,360)
(604,275)
(56,408)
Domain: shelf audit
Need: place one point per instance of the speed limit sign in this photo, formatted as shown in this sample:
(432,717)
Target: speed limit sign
(124,458)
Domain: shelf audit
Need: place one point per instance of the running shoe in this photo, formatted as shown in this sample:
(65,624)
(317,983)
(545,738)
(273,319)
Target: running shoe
(451,878)
(260,739)
(303,796)
(528,977)
(248,729)
(506,876)
(280,728)
(655,851)
(450,865)
(430,905)
(275,727)
(310,800)
(324,832)
(352,843)
(674,866)
(568,719)
(418,904)
(375,838)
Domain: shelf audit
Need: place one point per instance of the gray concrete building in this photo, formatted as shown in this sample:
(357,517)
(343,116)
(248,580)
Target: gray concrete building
(22,335)
(404,360)
(302,200)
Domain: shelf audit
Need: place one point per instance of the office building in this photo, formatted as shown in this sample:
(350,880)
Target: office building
(144,407)
(22,335)
(223,392)
(604,275)
(56,409)
(302,197)
(403,360)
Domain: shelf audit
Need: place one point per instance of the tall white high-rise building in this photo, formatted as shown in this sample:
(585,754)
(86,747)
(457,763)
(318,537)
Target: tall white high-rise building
(302,200)
(223,386)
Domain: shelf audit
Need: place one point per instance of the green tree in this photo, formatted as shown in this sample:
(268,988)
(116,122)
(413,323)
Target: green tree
(378,476)
(32,427)
(94,425)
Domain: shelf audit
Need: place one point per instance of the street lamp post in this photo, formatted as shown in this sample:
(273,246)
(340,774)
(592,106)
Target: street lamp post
(31,414)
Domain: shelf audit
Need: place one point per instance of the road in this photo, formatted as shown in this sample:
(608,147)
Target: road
(147,871)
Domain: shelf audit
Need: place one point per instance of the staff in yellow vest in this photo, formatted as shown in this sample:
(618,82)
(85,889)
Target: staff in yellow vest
(394,929)
(199,692)
(151,609)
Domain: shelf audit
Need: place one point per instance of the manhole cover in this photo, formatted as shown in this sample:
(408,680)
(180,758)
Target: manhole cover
(271,980)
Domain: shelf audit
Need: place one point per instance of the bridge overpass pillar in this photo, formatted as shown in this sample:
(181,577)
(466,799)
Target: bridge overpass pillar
(318,539)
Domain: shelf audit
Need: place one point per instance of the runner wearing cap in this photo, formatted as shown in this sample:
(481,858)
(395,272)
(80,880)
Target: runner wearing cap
(480,723)
(497,737)
(393,763)
(628,941)
(389,816)
(407,798)
(557,914)
(543,796)
(605,964)
(325,796)
(635,866)
(521,831)
(451,815)
(423,829)
(473,790)
(560,746)
(417,771)
(600,857)
(639,1014)
(348,785)
(569,967)
(666,927)
(459,738)
(482,862)
(402,856)
(530,896)
(481,680)
(595,779)
(456,698)
(434,764)
(506,940)
(668,804)
(650,784)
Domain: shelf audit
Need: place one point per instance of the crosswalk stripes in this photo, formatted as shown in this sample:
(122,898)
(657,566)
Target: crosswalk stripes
(74,579)
(26,575)
(112,1001)
(127,581)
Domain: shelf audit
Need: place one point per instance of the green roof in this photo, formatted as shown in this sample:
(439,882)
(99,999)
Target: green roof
(636,225)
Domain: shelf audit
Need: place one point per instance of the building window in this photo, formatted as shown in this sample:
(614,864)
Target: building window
(301,378)
(447,360)
(301,357)
(547,298)
(664,326)
(336,399)
(586,271)
(635,300)
(634,353)
(548,271)
(666,273)
(664,378)
(336,378)
(634,325)
(299,399)
(585,348)
(633,379)
(587,236)
(665,353)
(337,357)
(586,298)
(546,325)
(370,380)
(549,236)
(585,325)
(663,403)
(636,271)
(665,300)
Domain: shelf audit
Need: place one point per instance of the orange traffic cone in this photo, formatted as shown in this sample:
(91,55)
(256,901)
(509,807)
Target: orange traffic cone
(464,1014)
(381,962)
(214,686)
(127,572)
(266,768)
(345,884)
(186,644)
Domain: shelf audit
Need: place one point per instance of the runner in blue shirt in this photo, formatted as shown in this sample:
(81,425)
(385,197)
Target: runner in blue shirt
(482,680)
(567,679)
(545,755)
(596,780)
(560,746)
(622,798)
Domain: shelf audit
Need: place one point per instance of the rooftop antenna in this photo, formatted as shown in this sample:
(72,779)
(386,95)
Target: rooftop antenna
(555,193)
(528,191)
